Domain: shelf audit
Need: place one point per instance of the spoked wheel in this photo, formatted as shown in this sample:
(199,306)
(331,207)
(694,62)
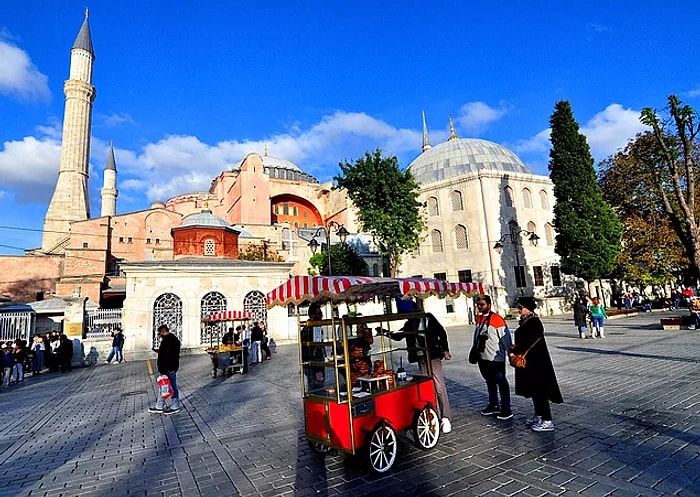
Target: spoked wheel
(426,428)
(319,449)
(383,446)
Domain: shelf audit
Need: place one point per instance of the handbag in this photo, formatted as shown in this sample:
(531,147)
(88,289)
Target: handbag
(519,360)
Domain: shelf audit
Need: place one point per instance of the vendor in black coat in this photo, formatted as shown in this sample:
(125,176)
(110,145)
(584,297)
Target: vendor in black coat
(537,379)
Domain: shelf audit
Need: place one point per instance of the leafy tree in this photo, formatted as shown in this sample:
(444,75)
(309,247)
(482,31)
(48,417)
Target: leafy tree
(588,231)
(673,166)
(651,250)
(387,202)
(258,252)
(345,261)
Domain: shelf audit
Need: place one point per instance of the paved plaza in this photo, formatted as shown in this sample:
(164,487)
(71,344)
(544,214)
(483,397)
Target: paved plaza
(629,427)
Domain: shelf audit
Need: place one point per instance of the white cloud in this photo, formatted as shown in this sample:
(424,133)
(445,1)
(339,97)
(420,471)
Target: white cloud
(695,92)
(29,168)
(475,117)
(610,130)
(115,120)
(537,144)
(179,164)
(606,133)
(19,77)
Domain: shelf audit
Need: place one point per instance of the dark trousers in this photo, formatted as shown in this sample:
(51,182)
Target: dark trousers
(541,405)
(494,373)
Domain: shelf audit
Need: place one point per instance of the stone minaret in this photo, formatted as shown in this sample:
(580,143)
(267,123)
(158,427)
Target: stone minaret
(70,197)
(109,186)
(426,138)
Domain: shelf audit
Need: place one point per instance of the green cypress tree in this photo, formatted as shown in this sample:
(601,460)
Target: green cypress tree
(588,231)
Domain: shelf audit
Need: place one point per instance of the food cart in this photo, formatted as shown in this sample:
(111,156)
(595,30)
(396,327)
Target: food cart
(225,358)
(365,396)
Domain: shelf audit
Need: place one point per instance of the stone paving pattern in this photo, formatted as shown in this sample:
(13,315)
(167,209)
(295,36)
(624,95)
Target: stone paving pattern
(629,427)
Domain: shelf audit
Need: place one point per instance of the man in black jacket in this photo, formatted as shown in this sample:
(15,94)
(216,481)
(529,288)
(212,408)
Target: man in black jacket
(168,364)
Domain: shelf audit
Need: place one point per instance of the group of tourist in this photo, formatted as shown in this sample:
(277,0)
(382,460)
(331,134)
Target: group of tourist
(52,352)
(534,377)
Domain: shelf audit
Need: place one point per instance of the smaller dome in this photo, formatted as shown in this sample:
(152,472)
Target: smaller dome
(205,219)
(158,205)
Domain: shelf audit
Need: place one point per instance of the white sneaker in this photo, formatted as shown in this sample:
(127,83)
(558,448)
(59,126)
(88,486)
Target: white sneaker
(543,426)
(534,420)
(446,425)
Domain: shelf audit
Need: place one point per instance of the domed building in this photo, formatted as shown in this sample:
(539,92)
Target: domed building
(489,220)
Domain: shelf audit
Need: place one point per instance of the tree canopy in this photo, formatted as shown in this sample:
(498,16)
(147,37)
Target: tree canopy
(651,250)
(671,163)
(387,202)
(345,261)
(588,231)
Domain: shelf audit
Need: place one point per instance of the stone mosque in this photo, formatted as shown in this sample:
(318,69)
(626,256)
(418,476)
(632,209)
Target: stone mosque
(489,220)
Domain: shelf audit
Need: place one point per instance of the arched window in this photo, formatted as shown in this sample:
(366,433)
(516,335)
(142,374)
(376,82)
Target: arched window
(209,247)
(527,198)
(436,239)
(508,196)
(456,201)
(167,310)
(212,302)
(433,209)
(544,200)
(461,238)
(255,302)
(549,234)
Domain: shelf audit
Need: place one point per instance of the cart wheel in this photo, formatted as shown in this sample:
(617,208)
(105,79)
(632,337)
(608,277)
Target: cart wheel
(382,448)
(318,448)
(426,428)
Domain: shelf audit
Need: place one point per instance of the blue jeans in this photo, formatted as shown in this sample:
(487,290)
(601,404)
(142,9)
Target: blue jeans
(598,321)
(115,352)
(494,372)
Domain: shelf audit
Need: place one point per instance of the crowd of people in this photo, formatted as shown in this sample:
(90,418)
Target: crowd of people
(21,358)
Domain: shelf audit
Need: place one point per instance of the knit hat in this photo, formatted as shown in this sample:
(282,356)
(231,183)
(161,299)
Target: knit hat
(528,303)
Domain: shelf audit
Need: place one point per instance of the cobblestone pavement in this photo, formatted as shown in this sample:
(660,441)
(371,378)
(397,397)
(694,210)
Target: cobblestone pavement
(629,427)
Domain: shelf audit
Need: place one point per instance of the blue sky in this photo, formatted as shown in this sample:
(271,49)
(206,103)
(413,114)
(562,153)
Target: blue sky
(186,90)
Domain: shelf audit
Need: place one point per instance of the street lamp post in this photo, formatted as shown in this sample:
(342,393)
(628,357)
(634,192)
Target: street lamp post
(514,237)
(339,229)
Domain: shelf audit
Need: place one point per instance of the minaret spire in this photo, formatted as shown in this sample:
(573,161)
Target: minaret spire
(109,185)
(70,197)
(426,138)
(453,133)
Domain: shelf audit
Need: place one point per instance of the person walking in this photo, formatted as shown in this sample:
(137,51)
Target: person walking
(598,316)
(537,379)
(167,364)
(117,344)
(8,361)
(492,334)
(581,313)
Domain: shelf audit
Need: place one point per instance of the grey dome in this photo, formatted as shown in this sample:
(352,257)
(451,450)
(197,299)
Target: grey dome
(464,156)
(205,219)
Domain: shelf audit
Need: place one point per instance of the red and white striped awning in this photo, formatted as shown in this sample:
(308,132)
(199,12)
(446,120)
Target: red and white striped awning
(230,315)
(352,289)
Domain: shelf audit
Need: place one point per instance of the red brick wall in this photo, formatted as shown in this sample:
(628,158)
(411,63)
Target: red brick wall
(23,276)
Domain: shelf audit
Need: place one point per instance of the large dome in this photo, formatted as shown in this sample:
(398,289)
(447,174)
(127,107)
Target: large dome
(463,156)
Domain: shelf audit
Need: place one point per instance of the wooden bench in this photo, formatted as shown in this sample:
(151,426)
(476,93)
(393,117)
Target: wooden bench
(677,322)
